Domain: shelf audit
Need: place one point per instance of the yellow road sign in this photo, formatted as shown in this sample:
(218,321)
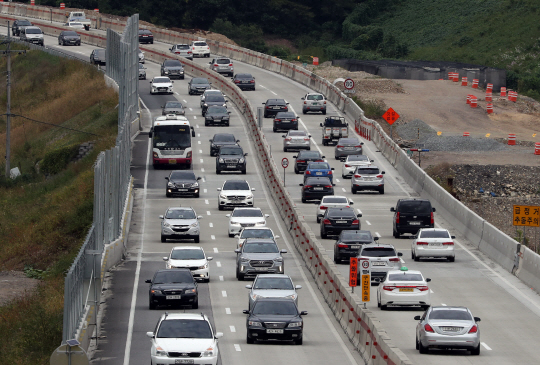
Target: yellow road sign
(366,287)
(526,215)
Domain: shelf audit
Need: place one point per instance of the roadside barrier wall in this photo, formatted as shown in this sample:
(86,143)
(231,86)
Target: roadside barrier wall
(529,268)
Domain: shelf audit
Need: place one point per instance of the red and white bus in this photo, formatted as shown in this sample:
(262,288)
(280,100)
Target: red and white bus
(171,141)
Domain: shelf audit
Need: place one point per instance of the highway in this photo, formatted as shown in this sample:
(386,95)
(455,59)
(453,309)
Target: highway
(509,310)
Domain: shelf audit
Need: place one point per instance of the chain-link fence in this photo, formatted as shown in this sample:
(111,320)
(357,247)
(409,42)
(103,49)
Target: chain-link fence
(111,189)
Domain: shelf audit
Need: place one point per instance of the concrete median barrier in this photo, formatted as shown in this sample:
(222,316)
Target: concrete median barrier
(498,246)
(529,268)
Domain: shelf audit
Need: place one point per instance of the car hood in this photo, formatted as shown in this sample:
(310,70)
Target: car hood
(182,181)
(274,318)
(186,344)
(180,221)
(209,114)
(231,156)
(161,84)
(237,192)
(177,286)
(260,256)
(195,86)
(173,68)
(247,219)
(273,293)
(187,263)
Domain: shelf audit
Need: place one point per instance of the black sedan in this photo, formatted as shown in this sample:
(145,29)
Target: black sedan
(285,121)
(146,36)
(172,69)
(213,99)
(349,242)
(69,37)
(173,107)
(182,183)
(173,287)
(222,139)
(274,319)
(216,115)
(316,188)
(198,85)
(244,81)
(273,106)
(98,57)
(305,157)
(336,220)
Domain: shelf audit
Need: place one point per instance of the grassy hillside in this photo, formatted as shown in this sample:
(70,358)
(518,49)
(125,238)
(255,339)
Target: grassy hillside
(45,214)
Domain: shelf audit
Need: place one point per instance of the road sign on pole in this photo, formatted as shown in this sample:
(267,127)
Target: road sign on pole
(365,269)
(285,164)
(390,116)
(353,273)
(526,215)
(349,84)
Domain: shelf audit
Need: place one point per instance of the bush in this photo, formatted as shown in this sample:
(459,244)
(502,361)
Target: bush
(279,52)
(57,160)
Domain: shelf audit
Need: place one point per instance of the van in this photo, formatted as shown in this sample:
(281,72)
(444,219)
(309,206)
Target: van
(412,214)
(32,35)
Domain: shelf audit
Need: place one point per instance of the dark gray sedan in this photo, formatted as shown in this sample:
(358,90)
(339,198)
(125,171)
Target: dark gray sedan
(198,85)
(173,107)
(172,68)
(216,115)
(98,57)
(346,147)
(69,37)
(213,100)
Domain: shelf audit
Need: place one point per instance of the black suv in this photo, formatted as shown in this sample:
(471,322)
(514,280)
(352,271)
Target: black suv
(222,139)
(336,220)
(146,36)
(412,214)
(231,158)
(316,188)
(244,81)
(19,24)
(285,121)
(274,319)
(172,69)
(173,287)
(217,115)
(182,183)
(273,106)
(305,157)
(349,242)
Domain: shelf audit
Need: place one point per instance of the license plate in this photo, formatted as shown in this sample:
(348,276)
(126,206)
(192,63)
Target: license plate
(317,188)
(414,223)
(451,329)
(406,289)
(355,246)
(173,297)
(315,103)
(276,107)
(368,178)
(184,361)
(349,148)
(435,244)
(378,263)
(318,173)
(285,121)
(245,82)
(274,331)
(341,221)
(182,189)
(231,166)
(261,268)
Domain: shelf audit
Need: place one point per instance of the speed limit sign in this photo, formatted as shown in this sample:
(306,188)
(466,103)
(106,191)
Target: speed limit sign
(285,162)
(349,84)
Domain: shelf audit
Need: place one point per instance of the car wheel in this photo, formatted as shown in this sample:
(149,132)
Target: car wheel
(412,255)
(336,157)
(231,234)
(421,348)
(240,276)
(324,112)
(163,239)
(197,239)
(151,42)
(303,111)
(452,259)
(151,305)
(323,234)
(304,200)
(476,351)
(205,123)
(220,207)
(378,302)
(249,340)
(381,190)
(207,280)
(416,258)
(425,307)
(284,149)
(384,307)
(395,234)
(336,258)
(196,195)
(167,195)
(274,130)
(416,343)
(296,171)
(227,124)
(265,116)
(299,341)
(244,172)
(218,171)
(353,190)
(196,304)
(318,220)
(324,143)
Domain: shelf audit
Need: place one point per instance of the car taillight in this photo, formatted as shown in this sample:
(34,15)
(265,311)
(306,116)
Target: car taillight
(306,139)
(230,64)
(338,146)
(448,243)
(308,186)
(288,139)
(358,146)
(293,120)
(330,172)
(177,52)
(419,243)
(267,107)
(318,161)
(389,287)
(326,221)
(188,52)
(428,328)
(328,186)
(301,161)
(422,287)
(379,176)
(355,221)
(216,65)
(324,102)
(346,165)
(308,172)
(322,207)
(432,219)
(358,176)
(207,47)
(397,217)
(277,120)
(236,81)
(341,245)
(305,102)
(194,48)
(473,329)
(394,259)
(252,81)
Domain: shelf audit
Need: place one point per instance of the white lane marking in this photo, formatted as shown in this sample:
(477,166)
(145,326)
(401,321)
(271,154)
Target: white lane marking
(377,234)
(359,211)
(184,100)
(131,320)
(344,190)
(337,180)
(218,264)
(486,346)
(213,237)
(444,305)
(369,224)
(200,151)
(211,225)
(208,212)
(199,142)
(206,201)
(202,170)
(232,328)
(202,160)
(194,117)
(198,134)
(205,191)
(215,250)
(227,310)
(221,279)
(402,261)
(203,179)
(431,291)
(237,347)
(224,293)
(190,109)
(197,126)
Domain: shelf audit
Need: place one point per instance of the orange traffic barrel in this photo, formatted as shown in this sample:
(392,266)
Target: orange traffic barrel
(512,96)
(475,83)
(456,77)
(489,88)
(469,98)
(62,5)
(464,81)
(474,101)
(32,2)
(503,91)
(511,139)
(489,96)
(490,108)
(466,134)
(537,148)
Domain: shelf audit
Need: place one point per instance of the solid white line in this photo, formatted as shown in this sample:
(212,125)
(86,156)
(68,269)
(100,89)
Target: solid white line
(377,234)
(190,109)
(369,224)
(431,291)
(237,347)
(444,305)
(344,190)
(221,279)
(232,328)
(213,237)
(197,126)
(211,224)
(224,293)
(215,250)
(127,351)
(486,346)
(228,310)
(208,212)
(218,264)
(206,201)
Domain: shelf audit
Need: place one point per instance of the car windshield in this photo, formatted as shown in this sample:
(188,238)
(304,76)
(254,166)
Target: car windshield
(273,283)
(180,214)
(297,133)
(173,277)
(460,315)
(334,122)
(182,175)
(356,236)
(223,61)
(378,252)
(215,98)
(187,254)
(349,142)
(315,97)
(244,76)
(275,308)
(285,115)
(184,328)
(235,185)
(173,104)
(172,63)
(224,138)
(161,80)
(405,277)
(415,207)
(319,166)
(199,80)
(217,109)
(33,31)
(199,44)
(434,234)
(23,23)
(257,233)
(334,200)
(247,213)
(317,181)
(71,34)
(260,247)
(368,171)
(182,46)
(357,158)
(309,155)
(338,212)
(230,151)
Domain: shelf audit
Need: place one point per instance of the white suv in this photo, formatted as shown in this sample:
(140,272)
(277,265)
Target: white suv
(192,258)
(180,223)
(200,49)
(235,193)
(245,217)
(222,65)
(184,338)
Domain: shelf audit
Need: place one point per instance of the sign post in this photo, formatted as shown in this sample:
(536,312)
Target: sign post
(353,273)
(285,164)
(390,116)
(366,280)
(349,86)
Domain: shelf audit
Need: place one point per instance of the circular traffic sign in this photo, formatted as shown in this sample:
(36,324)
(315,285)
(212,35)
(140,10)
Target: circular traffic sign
(285,162)
(365,264)
(349,84)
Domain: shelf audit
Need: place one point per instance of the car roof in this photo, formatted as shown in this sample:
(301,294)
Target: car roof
(404,272)
(275,101)
(193,316)
(273,276)
(187,248)
(383,245)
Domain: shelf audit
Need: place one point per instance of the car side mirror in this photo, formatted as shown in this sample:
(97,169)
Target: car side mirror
(236,236)
(237,141)
(200,217)
(433,209)
(392,209)
(428,280)
(477,319)
(309,135)
(237,250)
(160,217)
(333,184)
(150,81)
(263,103)
(382,172)
(371,160)
(227,215)
(362,143)
(399,254)
(375,238)
(249,286)
(252,189)
(162,106)
(300,184)
(298,287)
(320,124)
(302,98)
(283,136)
(218,189)
(245,154)
(303,313)
(245,311)
(210,140)
(210,62)
(359,215)
(453,237)
(416,318)
(209,258)
(198,178)
(150,334)
(218,335)
(351,202)
(267,215)
(165,258)
(166,178)
(295,156)
(276,237)
(148,281)
(283,251)
(323,157)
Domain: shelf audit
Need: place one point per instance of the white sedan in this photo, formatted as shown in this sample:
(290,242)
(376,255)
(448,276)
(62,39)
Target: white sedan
(404,288)
(161,84)
(191,257)
(350,164)
(433,242)
(245,217)
(331,201)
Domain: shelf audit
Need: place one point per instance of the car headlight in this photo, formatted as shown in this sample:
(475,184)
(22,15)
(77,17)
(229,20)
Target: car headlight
(190,290)
(166,71)
(170,185)
(196,224)
(166,224)
(233,223)
(249,197)
(255,323)
(195,185)
(209,352)
(295,324)
(261,223)
(255,296)
(221,160)
(182,71)
(278,259)
(161,352)
(156,291)
(241,160)
(223,196)
(169,266)
(244,259)
(292,296)
(205,104)
(205,266)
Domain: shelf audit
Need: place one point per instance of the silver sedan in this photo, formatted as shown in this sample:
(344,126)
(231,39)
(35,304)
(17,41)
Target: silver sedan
(272,286)
(346,147)
(448,328)
(296,140)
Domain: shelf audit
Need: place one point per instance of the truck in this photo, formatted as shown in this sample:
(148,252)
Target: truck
(78,17)
(333,129)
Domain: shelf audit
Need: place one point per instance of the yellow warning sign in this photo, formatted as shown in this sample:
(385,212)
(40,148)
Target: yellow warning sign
(366,287)
(526,215)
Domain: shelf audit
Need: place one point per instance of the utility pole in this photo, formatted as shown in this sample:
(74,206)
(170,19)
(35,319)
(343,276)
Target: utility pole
(7,52)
